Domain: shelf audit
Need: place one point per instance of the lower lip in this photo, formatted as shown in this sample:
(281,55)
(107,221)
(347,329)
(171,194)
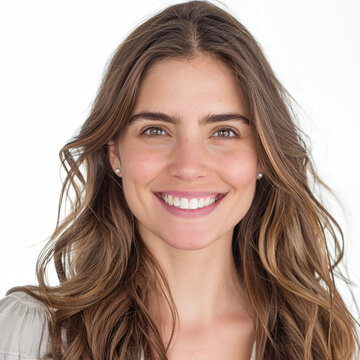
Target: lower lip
(189,213)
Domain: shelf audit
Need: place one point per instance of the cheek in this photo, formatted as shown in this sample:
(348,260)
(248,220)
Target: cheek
(139,165)
(240,169)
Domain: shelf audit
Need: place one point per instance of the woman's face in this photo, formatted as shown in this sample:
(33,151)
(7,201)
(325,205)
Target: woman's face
(175,145)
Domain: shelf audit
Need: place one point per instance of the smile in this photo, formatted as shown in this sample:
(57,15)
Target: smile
(189,207)
(191,204)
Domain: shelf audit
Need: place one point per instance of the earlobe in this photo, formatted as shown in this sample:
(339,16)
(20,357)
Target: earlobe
(259,174)
(113,155)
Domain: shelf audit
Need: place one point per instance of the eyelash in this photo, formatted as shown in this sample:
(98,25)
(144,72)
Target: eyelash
(229,128)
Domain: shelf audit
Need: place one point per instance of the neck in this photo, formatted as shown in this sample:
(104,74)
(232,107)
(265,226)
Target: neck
(203,283)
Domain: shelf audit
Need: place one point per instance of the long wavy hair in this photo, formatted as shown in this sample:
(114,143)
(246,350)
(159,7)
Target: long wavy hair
(281,248)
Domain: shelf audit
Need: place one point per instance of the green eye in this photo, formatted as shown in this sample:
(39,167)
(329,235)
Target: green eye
(225,132)
(152,131)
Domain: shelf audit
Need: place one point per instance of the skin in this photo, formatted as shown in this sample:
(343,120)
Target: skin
(195,253)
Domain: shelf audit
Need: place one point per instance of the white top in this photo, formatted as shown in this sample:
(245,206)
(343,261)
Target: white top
(23,328)
(24,332)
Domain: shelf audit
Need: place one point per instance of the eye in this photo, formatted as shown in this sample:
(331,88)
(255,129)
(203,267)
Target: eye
(155,130)
(225,132)
(152,131)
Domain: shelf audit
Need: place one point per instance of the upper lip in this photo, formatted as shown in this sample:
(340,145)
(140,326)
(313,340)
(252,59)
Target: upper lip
(191,194)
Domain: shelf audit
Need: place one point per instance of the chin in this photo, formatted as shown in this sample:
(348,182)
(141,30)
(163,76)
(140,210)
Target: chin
(181,238)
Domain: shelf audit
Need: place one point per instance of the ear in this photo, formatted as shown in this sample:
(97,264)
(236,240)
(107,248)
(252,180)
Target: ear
(259,172)
(113,155)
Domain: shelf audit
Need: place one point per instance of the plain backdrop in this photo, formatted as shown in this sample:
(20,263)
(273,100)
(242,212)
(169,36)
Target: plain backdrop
(53,58)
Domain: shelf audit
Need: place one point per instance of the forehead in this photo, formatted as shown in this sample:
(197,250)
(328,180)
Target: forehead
(190,85)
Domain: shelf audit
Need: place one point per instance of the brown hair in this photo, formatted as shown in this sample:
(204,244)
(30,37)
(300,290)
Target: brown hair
(280,248)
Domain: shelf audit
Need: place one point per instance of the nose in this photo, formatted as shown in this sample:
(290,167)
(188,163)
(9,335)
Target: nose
(189,160)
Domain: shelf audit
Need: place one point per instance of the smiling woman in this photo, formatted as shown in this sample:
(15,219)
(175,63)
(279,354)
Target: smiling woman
(194,233)
(206,156)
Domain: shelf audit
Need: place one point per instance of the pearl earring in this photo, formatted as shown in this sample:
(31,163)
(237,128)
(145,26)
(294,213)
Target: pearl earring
(117,171)
(259,176)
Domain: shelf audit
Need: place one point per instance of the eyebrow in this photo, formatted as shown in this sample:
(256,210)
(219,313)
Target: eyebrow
(211,118)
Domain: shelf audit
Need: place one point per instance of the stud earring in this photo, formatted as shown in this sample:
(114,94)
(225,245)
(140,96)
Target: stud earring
(117,171)
(259,176)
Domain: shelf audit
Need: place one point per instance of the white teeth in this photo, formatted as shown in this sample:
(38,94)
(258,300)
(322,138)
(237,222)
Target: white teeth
(185,203)
(194,204)
(176,202)
(170,200)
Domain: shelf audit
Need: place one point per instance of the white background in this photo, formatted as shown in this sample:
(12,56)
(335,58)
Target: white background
(53,57)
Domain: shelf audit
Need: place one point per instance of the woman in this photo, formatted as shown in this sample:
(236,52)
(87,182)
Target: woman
(193,231)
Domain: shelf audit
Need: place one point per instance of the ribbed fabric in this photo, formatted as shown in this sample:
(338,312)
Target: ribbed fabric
(24,333)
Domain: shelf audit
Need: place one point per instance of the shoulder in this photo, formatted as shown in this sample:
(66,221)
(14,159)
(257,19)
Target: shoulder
(24,330)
